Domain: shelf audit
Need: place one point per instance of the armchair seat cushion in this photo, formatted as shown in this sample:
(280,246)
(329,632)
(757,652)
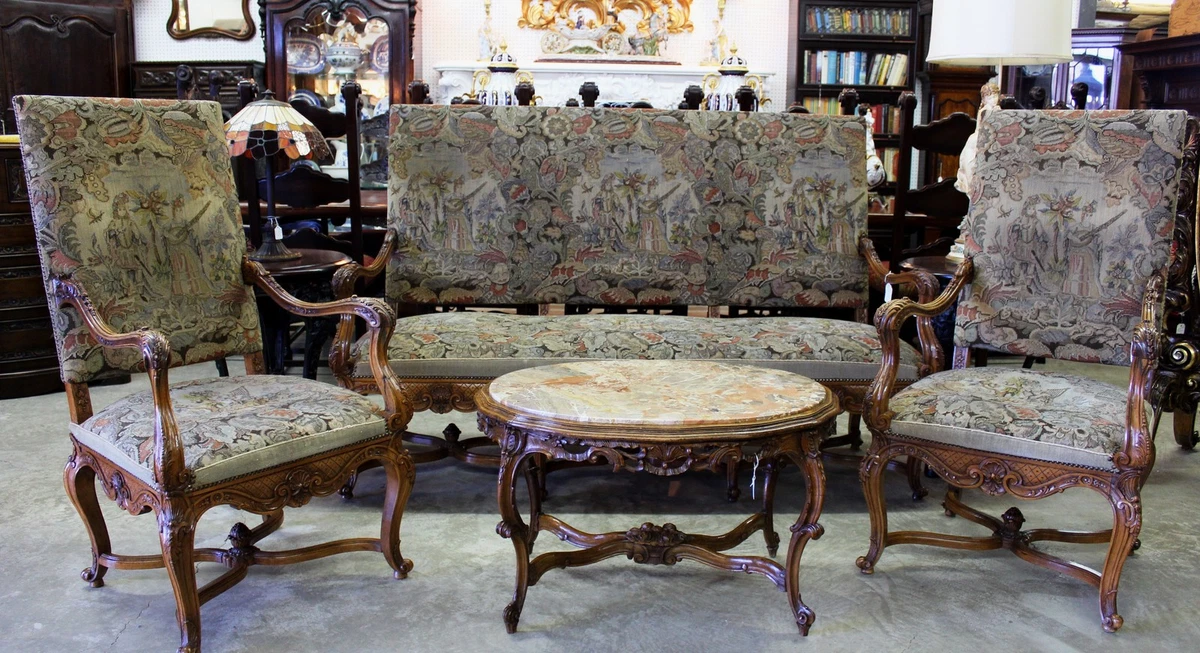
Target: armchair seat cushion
(486,345)
(234,425)
(1039,415)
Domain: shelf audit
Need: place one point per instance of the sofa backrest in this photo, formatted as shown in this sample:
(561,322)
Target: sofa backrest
(534,205)
(1071,214)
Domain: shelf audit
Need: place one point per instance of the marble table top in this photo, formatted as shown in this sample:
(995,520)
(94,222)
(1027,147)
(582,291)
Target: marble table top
(657,393)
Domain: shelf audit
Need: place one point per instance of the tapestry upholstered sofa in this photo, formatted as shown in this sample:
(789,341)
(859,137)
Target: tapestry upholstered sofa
(531,206)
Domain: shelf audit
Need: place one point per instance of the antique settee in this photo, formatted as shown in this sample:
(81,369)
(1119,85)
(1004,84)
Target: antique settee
(525,207)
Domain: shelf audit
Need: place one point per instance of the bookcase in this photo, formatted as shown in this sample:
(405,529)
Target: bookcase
(866,45)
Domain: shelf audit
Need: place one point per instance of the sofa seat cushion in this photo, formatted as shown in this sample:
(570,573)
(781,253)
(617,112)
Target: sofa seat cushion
(486,345)
(1031,414)
(234,425)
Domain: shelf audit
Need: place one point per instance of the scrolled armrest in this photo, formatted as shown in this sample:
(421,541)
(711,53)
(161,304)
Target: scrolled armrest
(1144,351)
(156,349)
(888,320)
(380,319)
(170,470)
(346,278)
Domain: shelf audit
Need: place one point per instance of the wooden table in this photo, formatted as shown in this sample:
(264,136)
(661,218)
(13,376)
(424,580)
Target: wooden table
(308,278)
(663,417)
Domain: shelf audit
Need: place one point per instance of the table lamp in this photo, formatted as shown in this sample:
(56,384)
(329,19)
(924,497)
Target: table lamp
(997,33)
(261,130)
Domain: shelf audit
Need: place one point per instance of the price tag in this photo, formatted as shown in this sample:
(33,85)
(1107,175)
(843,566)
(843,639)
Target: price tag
(278,232)
(887,292)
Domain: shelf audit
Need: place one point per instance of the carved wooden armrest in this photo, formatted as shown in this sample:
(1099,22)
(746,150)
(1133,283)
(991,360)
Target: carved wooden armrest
(170,471)
(877,272)
(381,322)
(347,277)
(1144,351)
(888,320)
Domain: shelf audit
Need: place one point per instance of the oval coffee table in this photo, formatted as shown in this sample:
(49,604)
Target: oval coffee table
(662,417)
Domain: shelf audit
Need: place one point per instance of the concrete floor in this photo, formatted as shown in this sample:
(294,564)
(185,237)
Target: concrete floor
(919,599)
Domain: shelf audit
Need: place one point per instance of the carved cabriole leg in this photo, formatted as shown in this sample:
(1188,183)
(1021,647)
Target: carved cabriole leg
(532,465)
(914,469)
(80,481)
(1184,422)
(770,475)
(732,491)
(511,526)
(176,532)
(401,473)
(871,476)
(807,526)
(854,430)
(255,364)
(1127,523)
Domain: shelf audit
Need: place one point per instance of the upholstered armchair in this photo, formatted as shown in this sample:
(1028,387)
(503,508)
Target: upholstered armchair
(143,257)
(1069,238)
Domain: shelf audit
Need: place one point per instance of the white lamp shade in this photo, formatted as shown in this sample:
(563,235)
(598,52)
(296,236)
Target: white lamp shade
(1008,32)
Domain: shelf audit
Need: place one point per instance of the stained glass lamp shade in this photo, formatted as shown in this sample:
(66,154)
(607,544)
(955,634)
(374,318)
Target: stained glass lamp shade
(261,130)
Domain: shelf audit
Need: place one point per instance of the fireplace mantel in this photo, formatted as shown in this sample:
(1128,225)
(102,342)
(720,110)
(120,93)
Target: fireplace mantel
(661,85)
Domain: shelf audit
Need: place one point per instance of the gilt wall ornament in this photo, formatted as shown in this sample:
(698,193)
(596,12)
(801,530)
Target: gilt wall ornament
(630,29)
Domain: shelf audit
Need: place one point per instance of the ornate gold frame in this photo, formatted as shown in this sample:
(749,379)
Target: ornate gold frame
(534,15)
(241,35)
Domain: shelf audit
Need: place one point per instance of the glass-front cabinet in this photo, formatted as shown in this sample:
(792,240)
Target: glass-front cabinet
(314,46)
(1096,63)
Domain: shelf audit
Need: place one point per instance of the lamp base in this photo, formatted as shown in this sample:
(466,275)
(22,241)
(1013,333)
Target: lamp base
(273,250)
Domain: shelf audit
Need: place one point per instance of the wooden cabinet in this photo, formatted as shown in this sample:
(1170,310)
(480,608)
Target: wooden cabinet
(315,45)
(1169,71)
(157,79)
(64,48)
(28,362)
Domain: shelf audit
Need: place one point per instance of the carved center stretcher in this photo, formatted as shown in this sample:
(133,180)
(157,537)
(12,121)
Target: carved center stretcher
(665,418)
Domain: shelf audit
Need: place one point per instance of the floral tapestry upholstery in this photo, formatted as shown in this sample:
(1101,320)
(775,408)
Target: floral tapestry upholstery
(524,205)
(134,201)
(478,344)
(235,425)
(1073,212)
(1033,414)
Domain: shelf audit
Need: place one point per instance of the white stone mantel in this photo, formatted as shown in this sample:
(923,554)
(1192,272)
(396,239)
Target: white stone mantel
(661,85)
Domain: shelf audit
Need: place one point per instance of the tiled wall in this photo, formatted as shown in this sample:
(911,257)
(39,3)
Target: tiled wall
(759,28)
(151,42)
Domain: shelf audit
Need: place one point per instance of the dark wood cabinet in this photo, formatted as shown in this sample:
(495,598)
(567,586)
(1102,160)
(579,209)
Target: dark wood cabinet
(64,48)
(1169,72)
(28,363)
(303,29)
(157,79)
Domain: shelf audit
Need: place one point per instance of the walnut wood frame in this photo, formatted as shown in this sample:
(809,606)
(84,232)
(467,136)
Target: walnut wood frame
(443,395)
(998,474)
(178,503)
(527,443)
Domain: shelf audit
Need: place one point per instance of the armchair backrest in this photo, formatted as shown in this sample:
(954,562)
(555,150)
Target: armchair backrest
(530,205)
(1071,214)
(133,200)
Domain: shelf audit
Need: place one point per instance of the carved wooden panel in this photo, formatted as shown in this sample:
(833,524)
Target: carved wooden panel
(63,48)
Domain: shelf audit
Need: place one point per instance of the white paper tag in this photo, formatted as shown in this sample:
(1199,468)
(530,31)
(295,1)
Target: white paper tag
(887,292)
(278,232)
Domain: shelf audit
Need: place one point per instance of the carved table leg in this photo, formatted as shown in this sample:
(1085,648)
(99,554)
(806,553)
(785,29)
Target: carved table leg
(806,527)
(1185,428)
(513,528)
(771,474)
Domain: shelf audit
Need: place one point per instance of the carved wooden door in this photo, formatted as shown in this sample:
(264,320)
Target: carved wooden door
(63,48)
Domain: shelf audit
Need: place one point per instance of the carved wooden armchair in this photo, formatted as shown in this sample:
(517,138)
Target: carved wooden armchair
(142,253)
(1069,238)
